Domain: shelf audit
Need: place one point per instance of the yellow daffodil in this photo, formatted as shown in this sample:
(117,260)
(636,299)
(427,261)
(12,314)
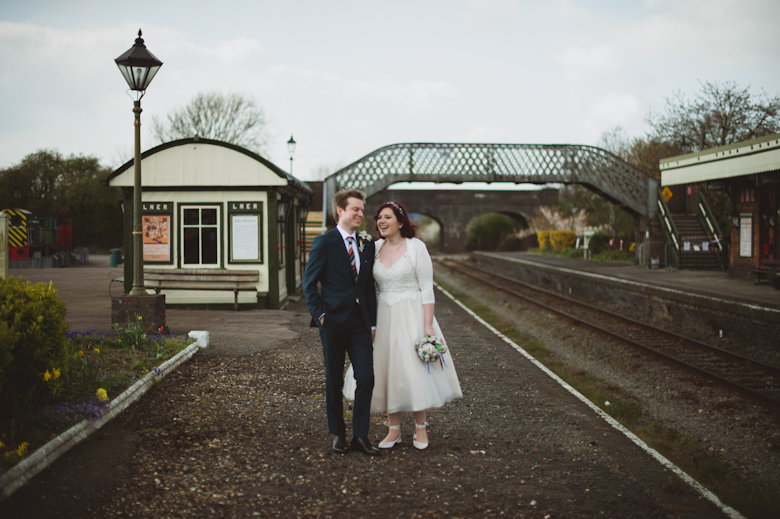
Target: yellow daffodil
(22,449)
(81,353)
(46,376)
(101,394)
(140,318)
(2,445)
(96,350)
(55,373)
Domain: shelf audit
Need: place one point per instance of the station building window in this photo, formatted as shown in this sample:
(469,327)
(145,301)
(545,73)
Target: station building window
(200,244)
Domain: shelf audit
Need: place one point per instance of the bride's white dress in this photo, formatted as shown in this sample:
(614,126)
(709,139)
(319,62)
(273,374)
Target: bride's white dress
(403,382)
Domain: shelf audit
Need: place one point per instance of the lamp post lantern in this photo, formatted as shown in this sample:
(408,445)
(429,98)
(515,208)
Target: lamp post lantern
(685,148)
(138,66)
(291,148)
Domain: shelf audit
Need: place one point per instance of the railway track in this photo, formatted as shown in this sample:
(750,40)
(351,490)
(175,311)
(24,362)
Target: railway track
(753,379)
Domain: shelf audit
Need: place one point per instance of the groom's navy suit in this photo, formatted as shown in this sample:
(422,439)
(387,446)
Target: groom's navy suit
(349,306)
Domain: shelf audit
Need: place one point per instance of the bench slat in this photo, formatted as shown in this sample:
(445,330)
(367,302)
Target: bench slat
(200,272)
(237,279)
(201,287)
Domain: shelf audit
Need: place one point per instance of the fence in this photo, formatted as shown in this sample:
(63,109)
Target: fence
(57,260)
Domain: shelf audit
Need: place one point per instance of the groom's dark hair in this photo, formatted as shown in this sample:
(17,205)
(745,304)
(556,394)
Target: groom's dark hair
(341,197)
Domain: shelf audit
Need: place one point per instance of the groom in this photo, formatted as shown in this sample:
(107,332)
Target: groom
(344,309)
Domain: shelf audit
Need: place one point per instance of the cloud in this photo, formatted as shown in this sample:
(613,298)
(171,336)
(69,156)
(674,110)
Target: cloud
(488,15)
(614,109)
(583,64)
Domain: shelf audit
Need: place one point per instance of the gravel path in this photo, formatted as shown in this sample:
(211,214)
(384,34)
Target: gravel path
(244,435)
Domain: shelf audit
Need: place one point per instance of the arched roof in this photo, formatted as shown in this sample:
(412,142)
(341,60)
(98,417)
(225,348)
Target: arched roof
(205,162)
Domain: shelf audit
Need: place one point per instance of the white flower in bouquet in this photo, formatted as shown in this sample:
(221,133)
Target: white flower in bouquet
(430,349)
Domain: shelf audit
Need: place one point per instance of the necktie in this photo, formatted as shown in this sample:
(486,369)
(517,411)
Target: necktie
(352,255)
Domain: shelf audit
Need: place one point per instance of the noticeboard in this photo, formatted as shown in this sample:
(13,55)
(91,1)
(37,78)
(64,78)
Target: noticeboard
(746,235)
(245,221)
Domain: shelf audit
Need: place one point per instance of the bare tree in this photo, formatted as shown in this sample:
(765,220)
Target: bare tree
(719,114)
(232,118)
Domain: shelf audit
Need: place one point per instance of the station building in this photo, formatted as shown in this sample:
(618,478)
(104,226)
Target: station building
(210,206)
(749,172)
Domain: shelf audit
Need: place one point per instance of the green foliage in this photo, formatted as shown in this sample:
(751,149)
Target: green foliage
(134,336)
(32,344)
(47,184)
(488,230)
(598,243)
(613,255)
(32,335)
(544,240)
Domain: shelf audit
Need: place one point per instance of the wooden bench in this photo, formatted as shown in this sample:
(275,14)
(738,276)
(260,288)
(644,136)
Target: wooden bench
(202,279)
(769,270)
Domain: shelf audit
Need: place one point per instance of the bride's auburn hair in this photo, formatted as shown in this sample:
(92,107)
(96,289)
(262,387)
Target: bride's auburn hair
(408,229)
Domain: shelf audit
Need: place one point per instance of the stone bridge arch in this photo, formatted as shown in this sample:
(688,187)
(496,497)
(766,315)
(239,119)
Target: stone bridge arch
(453,210)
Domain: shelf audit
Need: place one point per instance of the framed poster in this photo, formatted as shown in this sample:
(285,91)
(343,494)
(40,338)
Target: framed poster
(157,238)
(746,235)
(245,222)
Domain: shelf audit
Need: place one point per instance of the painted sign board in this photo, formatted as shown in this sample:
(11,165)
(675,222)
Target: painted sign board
(746,235)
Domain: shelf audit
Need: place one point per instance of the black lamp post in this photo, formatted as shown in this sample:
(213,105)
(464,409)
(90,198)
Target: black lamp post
(685,148)
(291,148)
(139,67)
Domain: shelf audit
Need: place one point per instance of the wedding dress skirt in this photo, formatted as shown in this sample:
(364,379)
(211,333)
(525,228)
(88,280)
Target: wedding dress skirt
(403,382)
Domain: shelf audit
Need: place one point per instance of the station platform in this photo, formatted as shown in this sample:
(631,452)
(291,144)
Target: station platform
(240,430)
(709,283)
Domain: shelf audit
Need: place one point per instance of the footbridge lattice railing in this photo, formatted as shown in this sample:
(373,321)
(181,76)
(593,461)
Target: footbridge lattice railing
(594,168)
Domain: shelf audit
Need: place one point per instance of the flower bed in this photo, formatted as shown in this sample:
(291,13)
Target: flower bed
(98,366)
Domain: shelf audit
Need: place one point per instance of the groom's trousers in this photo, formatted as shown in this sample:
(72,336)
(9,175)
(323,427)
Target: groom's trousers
(352,338)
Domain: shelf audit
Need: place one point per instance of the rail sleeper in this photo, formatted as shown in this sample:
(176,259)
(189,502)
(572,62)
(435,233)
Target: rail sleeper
(202,279)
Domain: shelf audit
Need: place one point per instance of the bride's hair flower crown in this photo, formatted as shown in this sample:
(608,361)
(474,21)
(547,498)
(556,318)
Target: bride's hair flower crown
(394,204)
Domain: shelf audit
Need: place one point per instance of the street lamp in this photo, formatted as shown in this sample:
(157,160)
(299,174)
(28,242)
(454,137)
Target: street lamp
(138,66)
(291,148)
(685,148)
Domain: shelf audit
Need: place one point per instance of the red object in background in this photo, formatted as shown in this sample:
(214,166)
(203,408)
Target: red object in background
(17,253)
(766,249)
(689,190)
(64,232)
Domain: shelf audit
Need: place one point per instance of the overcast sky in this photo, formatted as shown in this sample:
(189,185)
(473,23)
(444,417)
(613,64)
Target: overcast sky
(347,77)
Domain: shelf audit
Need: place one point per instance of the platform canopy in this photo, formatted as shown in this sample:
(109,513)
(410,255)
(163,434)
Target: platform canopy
(761,155)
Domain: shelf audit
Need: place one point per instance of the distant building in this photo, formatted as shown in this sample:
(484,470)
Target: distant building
(749,172)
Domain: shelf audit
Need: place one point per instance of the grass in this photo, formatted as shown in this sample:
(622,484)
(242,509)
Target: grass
(751,499)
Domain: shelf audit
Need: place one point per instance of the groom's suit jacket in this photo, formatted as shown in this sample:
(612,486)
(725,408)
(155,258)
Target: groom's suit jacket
(329,266)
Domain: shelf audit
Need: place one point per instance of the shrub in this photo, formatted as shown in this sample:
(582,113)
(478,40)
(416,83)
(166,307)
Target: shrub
(561,240)
(598,243)
(488,229)
(32,337)
(544,240)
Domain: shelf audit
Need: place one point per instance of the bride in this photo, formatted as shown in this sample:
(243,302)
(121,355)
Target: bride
(402,382)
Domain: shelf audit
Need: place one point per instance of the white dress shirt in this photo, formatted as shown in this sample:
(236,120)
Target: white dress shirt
(344,236)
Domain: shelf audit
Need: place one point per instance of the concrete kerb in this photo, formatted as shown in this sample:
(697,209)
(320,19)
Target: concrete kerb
(46,455)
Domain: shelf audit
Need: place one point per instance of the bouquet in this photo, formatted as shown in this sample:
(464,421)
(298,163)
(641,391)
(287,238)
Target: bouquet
(430,349)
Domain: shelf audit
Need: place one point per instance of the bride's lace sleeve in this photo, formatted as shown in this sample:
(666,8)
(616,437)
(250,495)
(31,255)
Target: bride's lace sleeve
(424,268)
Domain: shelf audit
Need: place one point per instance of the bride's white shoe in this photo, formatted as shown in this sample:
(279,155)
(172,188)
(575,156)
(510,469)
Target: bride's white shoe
(390,445)
(419,445)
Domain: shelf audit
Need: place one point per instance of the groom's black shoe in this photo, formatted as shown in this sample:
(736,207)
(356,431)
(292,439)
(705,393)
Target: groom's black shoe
(340,444)
(364,446)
